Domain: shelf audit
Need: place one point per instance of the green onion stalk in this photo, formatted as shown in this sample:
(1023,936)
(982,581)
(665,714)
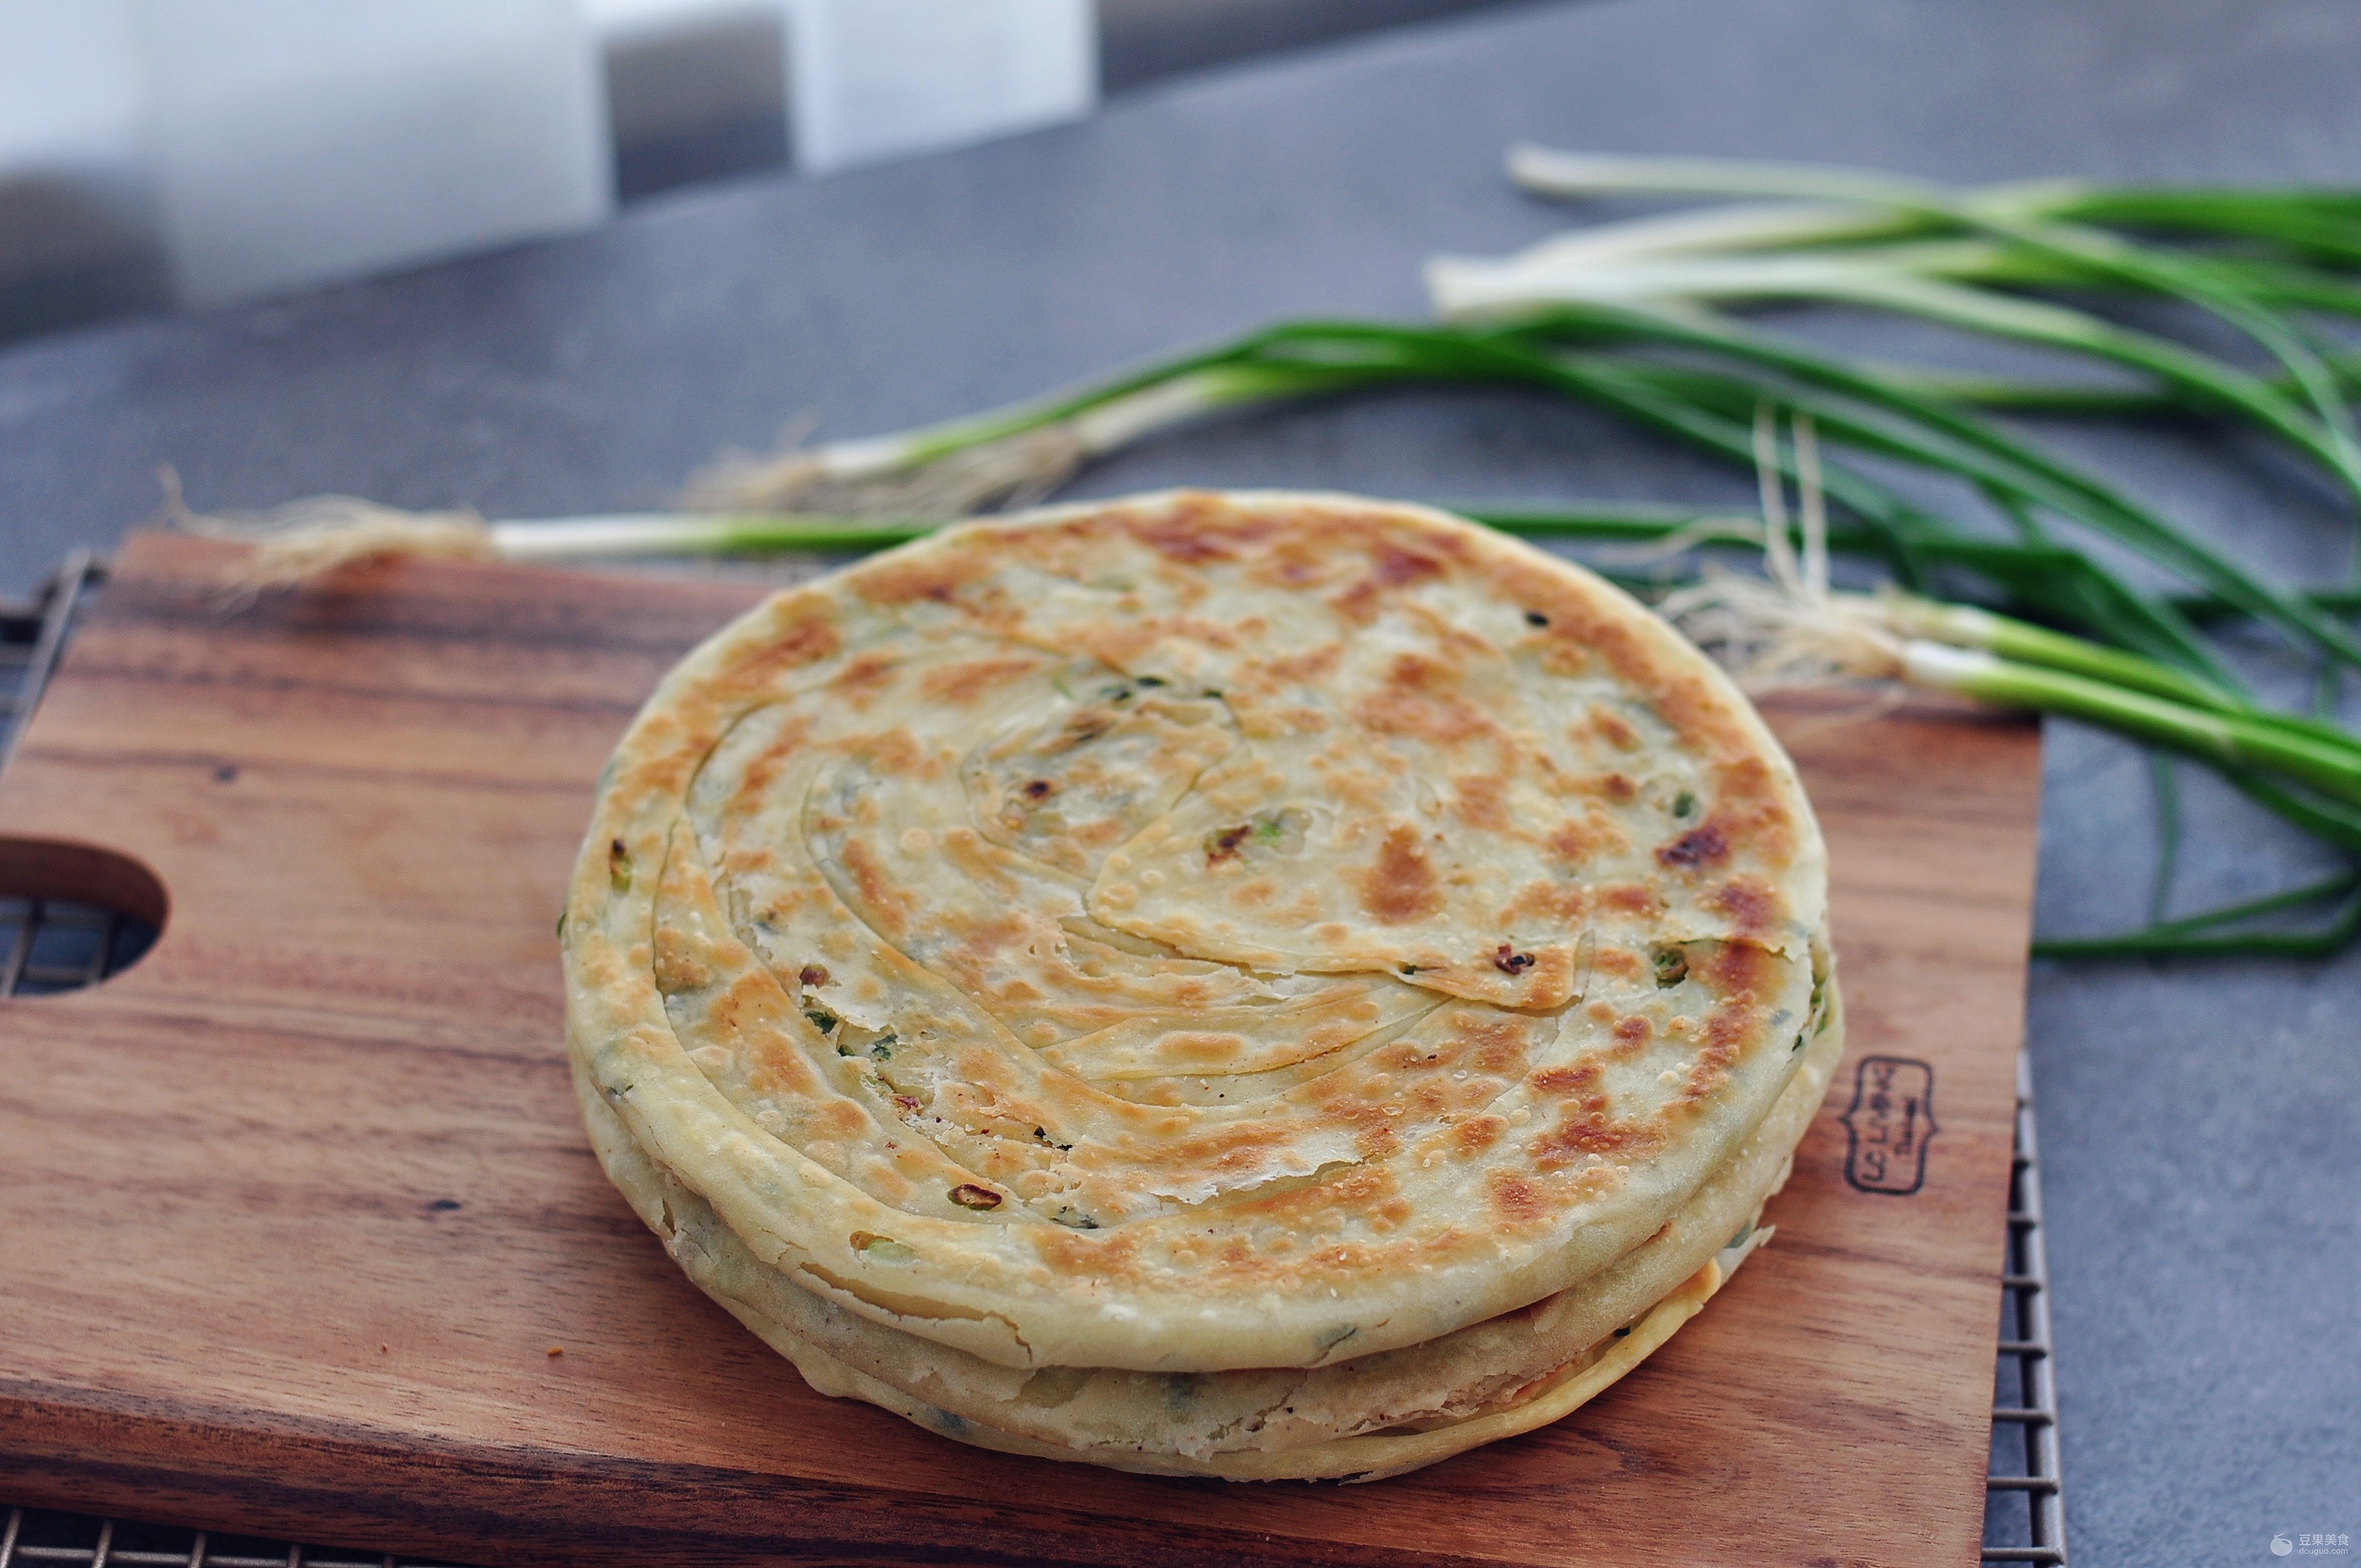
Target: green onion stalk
(2041,219)
(1788,628)
(2310,776)
(2321,760)
(2045,234)
(870,484)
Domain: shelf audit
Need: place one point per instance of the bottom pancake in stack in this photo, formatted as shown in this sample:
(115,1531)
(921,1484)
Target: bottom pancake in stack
(1267,987)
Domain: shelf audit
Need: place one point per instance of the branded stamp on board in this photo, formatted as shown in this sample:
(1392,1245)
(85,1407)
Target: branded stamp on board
(1889,1126)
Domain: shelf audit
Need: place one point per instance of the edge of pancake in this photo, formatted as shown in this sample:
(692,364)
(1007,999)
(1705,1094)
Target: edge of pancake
(1578,1356)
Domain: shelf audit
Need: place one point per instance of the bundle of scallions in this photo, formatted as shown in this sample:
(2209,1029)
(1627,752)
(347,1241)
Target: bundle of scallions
(1634,317)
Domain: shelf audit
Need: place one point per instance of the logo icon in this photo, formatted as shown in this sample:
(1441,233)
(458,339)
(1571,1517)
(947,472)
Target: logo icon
(2281,1545)
(1889,1126)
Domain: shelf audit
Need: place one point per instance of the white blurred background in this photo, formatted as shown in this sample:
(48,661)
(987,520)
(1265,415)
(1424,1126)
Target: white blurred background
(161,154)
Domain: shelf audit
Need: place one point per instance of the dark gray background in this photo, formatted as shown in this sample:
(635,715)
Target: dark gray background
(2202,1136)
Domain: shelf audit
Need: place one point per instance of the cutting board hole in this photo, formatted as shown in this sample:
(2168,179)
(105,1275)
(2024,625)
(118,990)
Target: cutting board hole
(72,915)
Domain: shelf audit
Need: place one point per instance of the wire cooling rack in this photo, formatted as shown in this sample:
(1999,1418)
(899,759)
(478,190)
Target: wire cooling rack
(56,944)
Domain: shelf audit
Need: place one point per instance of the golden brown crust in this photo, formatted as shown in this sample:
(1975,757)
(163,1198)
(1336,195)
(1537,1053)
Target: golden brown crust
(1265,1423)
(1194,932)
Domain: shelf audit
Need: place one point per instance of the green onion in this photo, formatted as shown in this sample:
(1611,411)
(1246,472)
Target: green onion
(2040,234)
(2039,217)
(2191,935)
(1965,626)
(2227,740)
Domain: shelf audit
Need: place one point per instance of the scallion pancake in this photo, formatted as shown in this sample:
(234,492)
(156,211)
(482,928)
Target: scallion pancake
(1194,934)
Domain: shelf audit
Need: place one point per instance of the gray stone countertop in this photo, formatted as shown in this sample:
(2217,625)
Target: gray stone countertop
(2201,1126)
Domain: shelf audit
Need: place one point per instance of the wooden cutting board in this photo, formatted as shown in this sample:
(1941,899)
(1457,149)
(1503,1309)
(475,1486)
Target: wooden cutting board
(295,1213)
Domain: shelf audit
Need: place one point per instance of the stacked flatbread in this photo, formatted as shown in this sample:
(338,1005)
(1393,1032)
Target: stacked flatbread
(1265,985)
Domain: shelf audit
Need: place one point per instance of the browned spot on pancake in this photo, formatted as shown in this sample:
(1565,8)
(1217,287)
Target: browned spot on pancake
(1293,562)
(960,685)
(1749,796)
(1575,841)
(1233,1146)
(806,641)
(1482,801)
(1563,657)
(1701,846)
(1475,1135)
(1401,887)
(1416,672)
(1105,1253)
(1311,666)
(1618,789)
(987,938)
(1633,1031)
(1357,604)
(1499,1042)
(839,1119)
(1751,904)
(1566,1079)
(857,682)
(1736,969)
(738,863)
(1193,533)
(1177,540)
(772,761)
(938,577)
(964,848)
(1719,1045)
(1207,1049)
(680,962)
(889,905)
(662,771)
(896,754)
(1552,900)
(1588,1129)
(1392,565)
(1118,643)
(1746,780)
(1614,728)
(1417,701)
(1620,962)
(1631,898)
(1084,728)
(1513,1199)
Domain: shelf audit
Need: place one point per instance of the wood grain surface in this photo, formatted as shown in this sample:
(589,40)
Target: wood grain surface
(293,1212)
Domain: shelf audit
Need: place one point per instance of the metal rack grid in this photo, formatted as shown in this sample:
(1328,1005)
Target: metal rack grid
(31,636)
(32,1537)
(2025,1519)
(55,945)
(50,945)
